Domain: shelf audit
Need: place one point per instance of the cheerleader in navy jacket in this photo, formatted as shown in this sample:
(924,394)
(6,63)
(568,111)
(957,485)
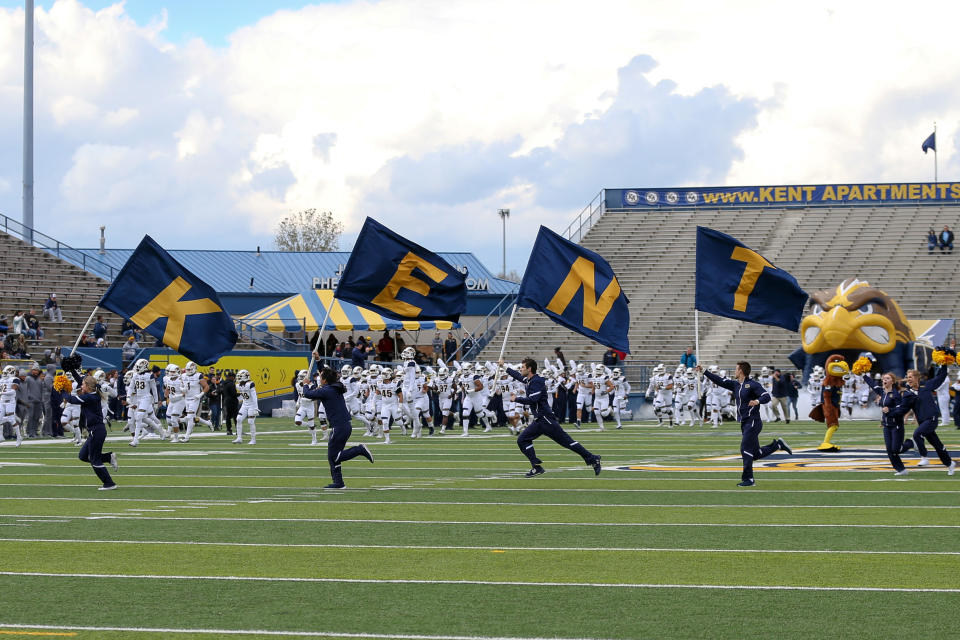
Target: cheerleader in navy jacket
(922,401)
(892,422)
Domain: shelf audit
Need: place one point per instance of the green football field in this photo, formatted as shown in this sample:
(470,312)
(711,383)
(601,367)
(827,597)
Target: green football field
(443,538)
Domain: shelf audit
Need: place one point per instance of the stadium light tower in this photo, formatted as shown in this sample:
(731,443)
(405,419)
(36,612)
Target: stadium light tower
(504,214)
(28,121)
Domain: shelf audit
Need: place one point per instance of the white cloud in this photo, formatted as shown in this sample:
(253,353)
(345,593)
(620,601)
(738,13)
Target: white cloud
(323,107)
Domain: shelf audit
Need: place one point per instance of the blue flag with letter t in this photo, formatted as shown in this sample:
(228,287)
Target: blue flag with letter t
(576,288)
(163,298)
(400,279)
(735,281)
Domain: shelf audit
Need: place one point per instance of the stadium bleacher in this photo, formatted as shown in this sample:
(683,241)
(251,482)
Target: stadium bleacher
(652,252)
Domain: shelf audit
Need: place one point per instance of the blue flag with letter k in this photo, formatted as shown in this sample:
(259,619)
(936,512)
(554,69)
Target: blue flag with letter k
(400,279)
(735,281)
(164,299)
(576,288)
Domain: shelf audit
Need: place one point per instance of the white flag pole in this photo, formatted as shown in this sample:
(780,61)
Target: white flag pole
(503,347)
(84,330)
(313,358)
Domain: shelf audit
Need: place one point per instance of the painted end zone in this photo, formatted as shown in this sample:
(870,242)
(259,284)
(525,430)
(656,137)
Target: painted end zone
(801,460)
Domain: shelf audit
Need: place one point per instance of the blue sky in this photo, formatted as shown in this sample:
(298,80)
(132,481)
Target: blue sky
(212,20)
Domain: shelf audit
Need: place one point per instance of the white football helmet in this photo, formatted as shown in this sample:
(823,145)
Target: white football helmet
(714,369)
(357,371)
(141,366)
(690,371)
(617,373)
(374,370)
(409,353)
(128,378)
(9,370)
(680,369)
(723,373)
(345,371)
(243,376)
(659,369)
(765,371)
(173,371)
(301,375)
(598,369)
(399,370)
(387,374)
(190,368)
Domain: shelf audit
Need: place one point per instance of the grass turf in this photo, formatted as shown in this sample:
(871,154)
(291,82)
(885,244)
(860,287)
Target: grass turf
(444,537)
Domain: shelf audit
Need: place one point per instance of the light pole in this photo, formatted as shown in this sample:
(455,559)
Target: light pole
(504,214)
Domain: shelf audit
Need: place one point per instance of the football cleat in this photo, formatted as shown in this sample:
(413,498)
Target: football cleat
(536,471)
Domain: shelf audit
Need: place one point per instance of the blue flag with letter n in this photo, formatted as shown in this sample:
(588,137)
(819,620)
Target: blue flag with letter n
(735,281)
(576,288)
(400,279)
(164,299)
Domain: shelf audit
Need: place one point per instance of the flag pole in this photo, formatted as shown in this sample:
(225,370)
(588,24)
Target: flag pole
(696,345)
(935,180)
(313,357)
(84,330)
(503,347)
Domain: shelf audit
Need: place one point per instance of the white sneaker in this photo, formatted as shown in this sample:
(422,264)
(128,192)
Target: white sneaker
(113,461)
(923,462)
(901,473)
(952,467)
(253,441)
(110,488)
(238,441)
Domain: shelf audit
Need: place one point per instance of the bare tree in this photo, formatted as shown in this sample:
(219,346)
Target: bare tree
(308,230)
(513,276)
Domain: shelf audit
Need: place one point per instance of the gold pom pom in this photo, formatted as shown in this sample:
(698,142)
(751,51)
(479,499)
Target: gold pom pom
(862,365)
(62,384)
(942,357)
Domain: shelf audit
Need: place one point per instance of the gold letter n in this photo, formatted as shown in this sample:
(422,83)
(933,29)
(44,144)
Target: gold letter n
(594,310)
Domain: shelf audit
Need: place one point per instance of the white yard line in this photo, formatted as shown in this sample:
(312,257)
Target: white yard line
(488,548)
(509,583)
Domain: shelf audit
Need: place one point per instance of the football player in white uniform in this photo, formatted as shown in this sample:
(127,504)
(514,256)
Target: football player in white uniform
(145,394)
(715,398)
(848,396)
(766,380)
(863,395)
(390,393)
(194,386)
(443,385)
(176,404)
(620,394)
(815,386)
(306,408)
(661,390)
(421,406)
(474,397)
(602,388)
(691,399)
(9,384)
(584,391)
(106,391)
(249,408)
(355,395)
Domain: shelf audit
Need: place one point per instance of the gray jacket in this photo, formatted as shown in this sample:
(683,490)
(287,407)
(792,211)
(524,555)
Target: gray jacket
(31,389)
(46,386)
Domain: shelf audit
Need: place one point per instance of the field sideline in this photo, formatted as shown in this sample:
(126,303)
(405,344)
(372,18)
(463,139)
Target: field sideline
(443,538)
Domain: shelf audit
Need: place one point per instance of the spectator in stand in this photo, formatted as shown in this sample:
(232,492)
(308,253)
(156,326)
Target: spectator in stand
(466,344)
(86,340)
(688,359)
(34,325)
(20,323)
(18,350)
(33,397)
(129,350)
(359,356)
(946,240)
(331,345)
(214,397)
(46,388)
(127,328)
(351,343)
(610,358)
(437,346)
(52,310)
(100,329)
(449,347)
(931,241)
(231,404)
(385,347)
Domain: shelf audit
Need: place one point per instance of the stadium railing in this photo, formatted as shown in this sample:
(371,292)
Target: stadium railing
(266,339)
(65,252)
(486,329)
(586,218)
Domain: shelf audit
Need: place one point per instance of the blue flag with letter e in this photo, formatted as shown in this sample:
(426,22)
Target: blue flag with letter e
(400,279)
(163,298)
(576,288)
(735,281)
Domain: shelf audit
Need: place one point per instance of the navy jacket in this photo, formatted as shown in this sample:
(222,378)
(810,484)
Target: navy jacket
(90,409)
(744,393)
(358,358)
(331,397)
(890,399)
(923,401)
(537,397)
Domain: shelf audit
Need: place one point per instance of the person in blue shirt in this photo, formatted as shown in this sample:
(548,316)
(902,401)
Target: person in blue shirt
(922,400)
(891,420)
(92,449)
(544,423)
(749,395)
(330,394)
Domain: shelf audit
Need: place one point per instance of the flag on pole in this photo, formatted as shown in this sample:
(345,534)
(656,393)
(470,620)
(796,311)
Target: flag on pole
(930,143)
(163,298)
(400,279)
(562,280)
(734,281)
